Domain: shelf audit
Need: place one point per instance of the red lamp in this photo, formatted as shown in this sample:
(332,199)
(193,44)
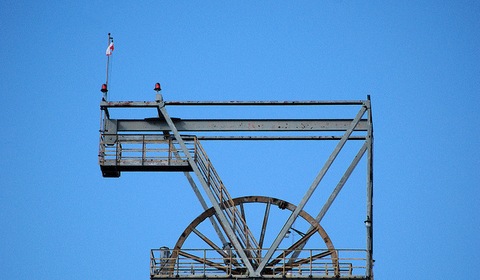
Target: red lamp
(104,88)
(157,87)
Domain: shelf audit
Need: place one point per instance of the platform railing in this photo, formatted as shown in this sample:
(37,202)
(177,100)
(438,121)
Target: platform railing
(142,150)
(207,263)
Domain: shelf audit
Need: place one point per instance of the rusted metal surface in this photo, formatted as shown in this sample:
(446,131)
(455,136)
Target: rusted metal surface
(120,104)
(125,104)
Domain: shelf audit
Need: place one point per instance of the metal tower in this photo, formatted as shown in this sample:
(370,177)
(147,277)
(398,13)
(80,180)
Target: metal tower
(228,242)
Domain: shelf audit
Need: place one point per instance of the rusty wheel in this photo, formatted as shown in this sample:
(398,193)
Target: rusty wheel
(265,222)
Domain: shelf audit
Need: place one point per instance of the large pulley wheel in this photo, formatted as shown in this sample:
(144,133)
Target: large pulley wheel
(264,223)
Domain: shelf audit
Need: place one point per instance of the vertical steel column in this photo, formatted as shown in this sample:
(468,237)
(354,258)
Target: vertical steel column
(369,219)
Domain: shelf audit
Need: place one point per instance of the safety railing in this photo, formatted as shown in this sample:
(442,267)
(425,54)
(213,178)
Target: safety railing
(131,151)
(207,263)
(222,196)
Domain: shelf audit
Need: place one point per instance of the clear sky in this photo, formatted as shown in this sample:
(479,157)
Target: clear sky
(419,61)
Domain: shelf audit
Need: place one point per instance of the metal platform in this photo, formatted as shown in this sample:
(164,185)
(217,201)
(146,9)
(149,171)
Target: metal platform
(206,263)
(141,152)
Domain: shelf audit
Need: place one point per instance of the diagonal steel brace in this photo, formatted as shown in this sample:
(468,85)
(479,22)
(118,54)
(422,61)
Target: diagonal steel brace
(220,214)
(312,188)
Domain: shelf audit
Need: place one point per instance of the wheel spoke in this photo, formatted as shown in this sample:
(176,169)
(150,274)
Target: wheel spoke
(204,261)
(214,246)
(310,259)
(291,248)
(242,213)
(264,225)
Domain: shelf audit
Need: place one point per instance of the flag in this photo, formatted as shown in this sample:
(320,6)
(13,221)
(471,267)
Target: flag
(109,49)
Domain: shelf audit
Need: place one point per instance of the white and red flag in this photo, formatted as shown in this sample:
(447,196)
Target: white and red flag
(110,49)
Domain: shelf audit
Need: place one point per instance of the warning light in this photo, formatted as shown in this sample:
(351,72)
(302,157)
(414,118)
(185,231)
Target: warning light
(157,87)
(104,88)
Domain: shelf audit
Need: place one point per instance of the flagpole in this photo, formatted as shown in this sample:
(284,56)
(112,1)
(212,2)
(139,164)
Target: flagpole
(110,40)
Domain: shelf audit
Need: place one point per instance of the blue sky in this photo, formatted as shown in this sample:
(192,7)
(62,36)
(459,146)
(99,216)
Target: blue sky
(419,61)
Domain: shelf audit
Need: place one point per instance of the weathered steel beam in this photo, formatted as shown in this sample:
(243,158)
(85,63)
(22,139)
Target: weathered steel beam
(369,218)
(156,124)
(279,137)
(264,103)
(125,104)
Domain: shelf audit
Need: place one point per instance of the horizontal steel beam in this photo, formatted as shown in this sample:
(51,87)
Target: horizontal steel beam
(277,276)
(125,104)
(304,125)
(260,138)
(245,137)
(263,103)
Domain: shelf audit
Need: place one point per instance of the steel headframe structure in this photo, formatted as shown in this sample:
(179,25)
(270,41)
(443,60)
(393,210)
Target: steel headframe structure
(155,144)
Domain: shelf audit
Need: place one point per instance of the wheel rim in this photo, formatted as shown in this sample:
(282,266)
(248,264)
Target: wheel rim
(236,266)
